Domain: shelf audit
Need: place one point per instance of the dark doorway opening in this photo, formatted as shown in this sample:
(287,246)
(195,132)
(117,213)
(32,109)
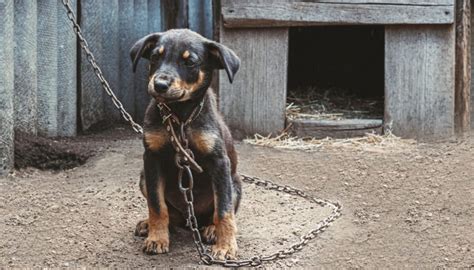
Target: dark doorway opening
(336,73)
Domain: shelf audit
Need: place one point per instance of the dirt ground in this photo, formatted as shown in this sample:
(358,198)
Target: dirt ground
(406,208)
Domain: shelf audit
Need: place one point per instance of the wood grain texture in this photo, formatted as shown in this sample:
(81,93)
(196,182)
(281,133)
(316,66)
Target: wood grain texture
(200,16)
(67,73)
(25,66)
(255,102)
(472,73)
(47,59)
(92,101)
(126,77)
(335,129)
(110,52)
(141,75)
(236,14)
(395,2)
(463,66)
(6,86)
(419,80)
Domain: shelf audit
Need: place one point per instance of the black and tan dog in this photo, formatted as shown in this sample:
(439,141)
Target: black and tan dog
(181,63)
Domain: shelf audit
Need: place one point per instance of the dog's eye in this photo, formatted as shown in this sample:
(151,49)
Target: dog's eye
(192,62)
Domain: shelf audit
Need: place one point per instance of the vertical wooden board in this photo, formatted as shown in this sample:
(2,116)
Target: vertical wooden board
(110,54)
(47,59)
(141,77)
(126,41)
(92,108)
(67,73)
(154,16)
(6,86)
(472,72)
(463,66)
(25,66)
(419,80)
(182,15)
(200,13)
(255,102)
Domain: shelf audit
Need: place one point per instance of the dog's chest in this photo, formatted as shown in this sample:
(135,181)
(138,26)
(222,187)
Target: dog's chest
(200,140)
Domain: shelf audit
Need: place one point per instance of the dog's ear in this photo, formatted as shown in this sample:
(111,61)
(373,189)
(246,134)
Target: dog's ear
(143,48)
(224,58)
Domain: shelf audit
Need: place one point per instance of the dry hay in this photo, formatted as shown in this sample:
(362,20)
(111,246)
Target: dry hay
(331,104)
(370,142)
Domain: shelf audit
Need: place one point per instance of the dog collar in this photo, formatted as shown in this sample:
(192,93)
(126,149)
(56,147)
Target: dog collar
(166,113)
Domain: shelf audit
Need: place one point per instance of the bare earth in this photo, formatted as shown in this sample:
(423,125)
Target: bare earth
(406,208)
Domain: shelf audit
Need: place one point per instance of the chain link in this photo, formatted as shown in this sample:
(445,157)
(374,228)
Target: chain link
(98,72)
(207,258)
(184,169)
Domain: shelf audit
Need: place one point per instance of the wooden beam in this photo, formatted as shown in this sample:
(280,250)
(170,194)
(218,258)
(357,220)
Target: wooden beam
(463,66)
(238,15)
(392,2)
(6,86)
(335,129)
(25,67)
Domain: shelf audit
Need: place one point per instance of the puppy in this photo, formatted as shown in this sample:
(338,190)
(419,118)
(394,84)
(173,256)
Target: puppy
(181,63)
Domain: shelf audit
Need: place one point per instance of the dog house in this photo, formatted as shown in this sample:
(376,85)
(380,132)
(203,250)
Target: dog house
(415,53)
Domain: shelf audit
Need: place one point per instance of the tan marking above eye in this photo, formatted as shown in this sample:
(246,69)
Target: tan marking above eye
(161,50)
(186,54)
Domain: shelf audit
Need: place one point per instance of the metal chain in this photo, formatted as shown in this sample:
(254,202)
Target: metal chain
(185,169)
(98,72)
(207,258)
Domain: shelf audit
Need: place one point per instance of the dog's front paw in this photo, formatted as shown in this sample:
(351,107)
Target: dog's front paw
(209,234)
(142,228)
(225,251)
(154,245)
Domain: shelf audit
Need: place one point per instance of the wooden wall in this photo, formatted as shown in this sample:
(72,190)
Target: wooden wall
(419,59)
(38,73)
(46,89)
(111,28)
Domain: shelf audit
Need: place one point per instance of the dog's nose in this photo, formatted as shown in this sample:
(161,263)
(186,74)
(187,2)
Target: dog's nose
(161,85)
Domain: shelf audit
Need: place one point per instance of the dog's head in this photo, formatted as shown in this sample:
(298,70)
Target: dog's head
(181,63)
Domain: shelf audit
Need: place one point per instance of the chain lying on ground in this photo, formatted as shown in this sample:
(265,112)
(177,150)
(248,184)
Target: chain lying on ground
(206,258)
(184,161)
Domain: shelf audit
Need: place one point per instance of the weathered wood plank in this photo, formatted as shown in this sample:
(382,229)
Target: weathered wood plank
(463,66)
(110,55)
(141,75)
(391,2)
(47,59)
(303,13)
(396,2)
(335,129)
(6,86)
(92,103)
(472,73)
(200,16)
(419,80)
(67,74)
(126,41)
(155,16)
(255,102)
(25,66)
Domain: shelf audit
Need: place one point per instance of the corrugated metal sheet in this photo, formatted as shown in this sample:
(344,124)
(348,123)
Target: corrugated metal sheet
(41,80)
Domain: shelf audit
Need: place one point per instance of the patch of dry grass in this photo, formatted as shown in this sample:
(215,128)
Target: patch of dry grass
(370,142)
(331,104)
